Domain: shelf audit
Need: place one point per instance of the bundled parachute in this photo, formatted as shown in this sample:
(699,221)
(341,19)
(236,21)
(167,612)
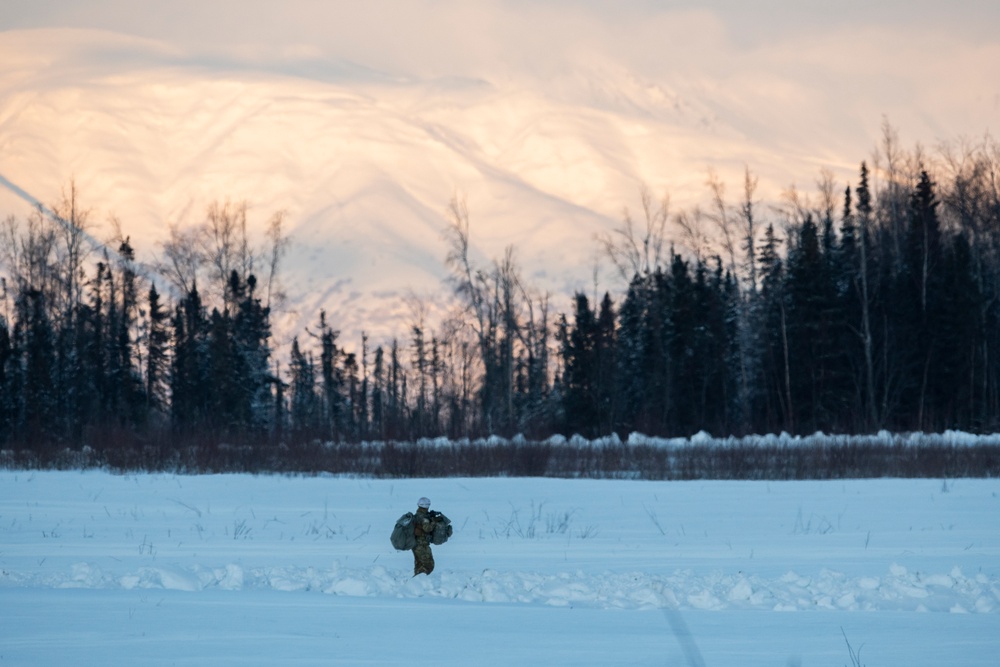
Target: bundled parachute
(442,528)
(403,537)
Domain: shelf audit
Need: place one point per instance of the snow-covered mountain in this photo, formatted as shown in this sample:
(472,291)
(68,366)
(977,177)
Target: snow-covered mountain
(364,164)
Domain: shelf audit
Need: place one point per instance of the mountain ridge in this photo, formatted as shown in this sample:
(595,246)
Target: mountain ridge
(361,163)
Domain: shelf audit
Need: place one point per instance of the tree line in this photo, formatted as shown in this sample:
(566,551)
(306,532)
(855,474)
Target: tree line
(871,306)
(874,308)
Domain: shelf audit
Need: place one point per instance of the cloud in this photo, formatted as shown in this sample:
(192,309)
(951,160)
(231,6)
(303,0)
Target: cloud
(543,37)
(777,70)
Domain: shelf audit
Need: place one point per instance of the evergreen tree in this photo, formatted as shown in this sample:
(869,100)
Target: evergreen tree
(874,402)
(632,372)
(656,338)
(436,369)
(579,378)
(157,360)
(954,381)
(363,407)
(395,395)
(606,364)
(811,340)
(378,394)
(712,380)
(129,386)
(189,377)
(83,366)
(681,333)
(305,411)
(920,307)
(334,400)
(34,336)
(350,375)
(252,333)
(773,340)
(422,365)
(7,388)
(844,266)
(226,409)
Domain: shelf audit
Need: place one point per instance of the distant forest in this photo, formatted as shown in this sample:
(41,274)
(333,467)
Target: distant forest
(859,308)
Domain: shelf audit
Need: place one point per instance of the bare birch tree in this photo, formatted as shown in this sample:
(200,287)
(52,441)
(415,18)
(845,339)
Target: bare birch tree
(278,247)
(639,252)
(182,259)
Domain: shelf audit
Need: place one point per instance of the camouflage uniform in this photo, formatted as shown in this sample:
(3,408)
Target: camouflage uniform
(423,526)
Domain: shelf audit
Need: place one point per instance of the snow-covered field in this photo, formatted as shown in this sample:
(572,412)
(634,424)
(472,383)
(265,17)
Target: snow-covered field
(104,569)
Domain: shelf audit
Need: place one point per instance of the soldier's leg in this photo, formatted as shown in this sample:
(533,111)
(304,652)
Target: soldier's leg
(429,560)
(423,559)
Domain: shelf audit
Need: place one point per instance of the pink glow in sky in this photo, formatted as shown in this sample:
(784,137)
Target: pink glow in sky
(361,120)
(787,69)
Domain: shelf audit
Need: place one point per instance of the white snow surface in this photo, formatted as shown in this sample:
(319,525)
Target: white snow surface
(102,569)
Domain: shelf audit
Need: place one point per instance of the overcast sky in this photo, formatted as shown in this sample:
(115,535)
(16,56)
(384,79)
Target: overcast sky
(926,49)
(442,35)
(932,68)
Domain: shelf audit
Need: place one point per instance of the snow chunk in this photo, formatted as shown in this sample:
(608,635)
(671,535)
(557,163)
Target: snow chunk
(232,578)
(350,587)
(741,591)
(704,600)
